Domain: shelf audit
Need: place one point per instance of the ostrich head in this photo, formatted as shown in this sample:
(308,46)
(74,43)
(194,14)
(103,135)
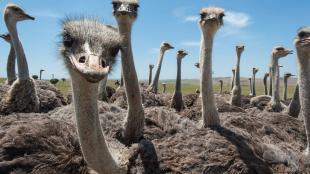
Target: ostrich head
(233,70)
(89,48)
(181,54)
(125,11)
(239,49)
(288,75)
(302,41)
(255,70)
(279,52)
(197,65)
(6,37)
(151,66)
(166,46)
(14,13)
(221,81)
(266,74)
(211,19)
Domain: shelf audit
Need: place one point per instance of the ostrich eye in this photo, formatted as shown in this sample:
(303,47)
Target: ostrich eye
(202,15)
(221,15)
(302,34)
(114,51)
(67,40)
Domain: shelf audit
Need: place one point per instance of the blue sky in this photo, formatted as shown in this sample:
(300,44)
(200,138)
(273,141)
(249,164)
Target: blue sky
(259,24)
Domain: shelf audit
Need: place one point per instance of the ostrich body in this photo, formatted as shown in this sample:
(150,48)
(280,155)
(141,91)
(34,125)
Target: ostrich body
(102,90)
(10,66)
(22,96)
(236,91)
(294,107)
(250,86)
(87,67)
(221,86)
(233,78)
(277,53)
(255,70)
(163,48)
(211,19)
(177,100)
(302,44)
(150,73)
(265,83)
(133,127)
(286,77)
(164,87)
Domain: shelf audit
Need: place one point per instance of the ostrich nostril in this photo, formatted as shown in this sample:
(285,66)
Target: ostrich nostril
(103,64)
(82,59)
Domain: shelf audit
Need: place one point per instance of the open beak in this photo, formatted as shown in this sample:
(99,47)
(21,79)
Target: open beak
(94,69)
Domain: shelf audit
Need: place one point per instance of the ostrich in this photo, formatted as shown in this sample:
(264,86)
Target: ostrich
(273,102)
(233,78)
(22,96)
(277,53)
(302,44)
(294,107)
(177,101)
(250,86)
(265,83)
(164,87)
(150,73)
(125,13)
(41,71)
(285,79)
(221,86)
(88,64)
(236,91)
(163,48)
(254,70)
(211,19)
(10,67)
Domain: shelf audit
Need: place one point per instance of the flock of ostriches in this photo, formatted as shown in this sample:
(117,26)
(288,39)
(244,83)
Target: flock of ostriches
(137,129)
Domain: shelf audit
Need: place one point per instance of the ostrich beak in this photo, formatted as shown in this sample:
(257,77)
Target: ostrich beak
(2,36)
(93,68)
(290,52)
(28,16)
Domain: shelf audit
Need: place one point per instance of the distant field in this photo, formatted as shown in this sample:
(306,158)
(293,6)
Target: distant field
(190,86)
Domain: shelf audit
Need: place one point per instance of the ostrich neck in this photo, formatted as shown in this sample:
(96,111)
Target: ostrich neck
(23,72)
(285,89)
(253,85)
(237,72)
(135,118)
(10,67)
(270,81)
(158,68)
(102,92)
(265,84)
(206,72)
(251,89)
(304,86)
(275,79)
(91,138)
(150,75)
(178,81)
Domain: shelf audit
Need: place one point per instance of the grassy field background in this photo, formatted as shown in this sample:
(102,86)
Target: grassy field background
(190,86)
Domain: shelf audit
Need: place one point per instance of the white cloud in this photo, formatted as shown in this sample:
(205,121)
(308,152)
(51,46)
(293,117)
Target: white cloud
(191,18)
(191,43)
(237,19)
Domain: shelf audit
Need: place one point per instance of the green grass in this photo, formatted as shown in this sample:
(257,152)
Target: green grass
(188,87)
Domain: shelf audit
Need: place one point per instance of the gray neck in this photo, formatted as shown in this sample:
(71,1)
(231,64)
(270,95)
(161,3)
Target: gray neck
(270,81)
(237,72)
(221,88)
(150,75)
(285,89)
(209,111)
(154,84)
(92,141)
(275,80)
(102,91)
(23,72)
(251,89)
(304,86)
(10,67)
(178,80)
(134,124)
(233,81)
(265,84)
(253,85)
